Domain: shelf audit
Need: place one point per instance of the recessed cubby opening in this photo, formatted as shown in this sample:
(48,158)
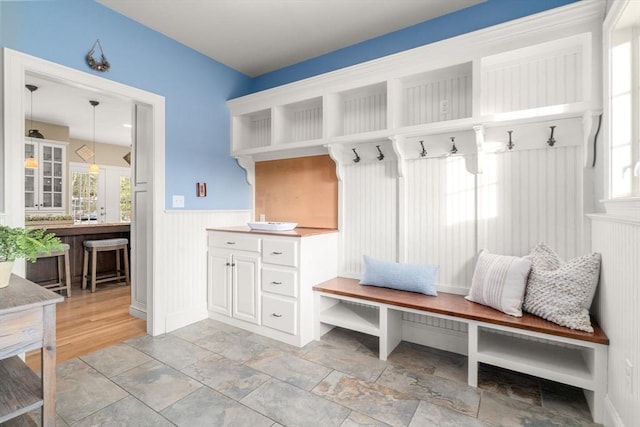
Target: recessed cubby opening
(437,95)
(548,74)
(300,121)
(252,130)
(362,110)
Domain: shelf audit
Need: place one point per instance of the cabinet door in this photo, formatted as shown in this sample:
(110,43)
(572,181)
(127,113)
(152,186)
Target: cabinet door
(246,287)
(219,280)
(30,180)
(52,185)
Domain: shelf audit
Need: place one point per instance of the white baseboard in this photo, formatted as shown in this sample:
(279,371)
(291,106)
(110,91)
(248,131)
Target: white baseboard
(435,337)
(611,416)
(136,312)
(184,318)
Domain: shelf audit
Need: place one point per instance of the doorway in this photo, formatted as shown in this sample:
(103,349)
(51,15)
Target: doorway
(147,184)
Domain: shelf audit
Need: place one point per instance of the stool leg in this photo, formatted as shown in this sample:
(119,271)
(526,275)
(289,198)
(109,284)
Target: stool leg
(118,271)
(85,268)
(67,273)
(94,262)
(59,261)
(126,265)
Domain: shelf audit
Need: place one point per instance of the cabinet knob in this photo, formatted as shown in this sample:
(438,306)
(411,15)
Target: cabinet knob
(276,253)
(276,315)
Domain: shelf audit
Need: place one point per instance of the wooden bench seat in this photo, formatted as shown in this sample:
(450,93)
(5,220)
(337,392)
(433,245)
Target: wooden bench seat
(527,344)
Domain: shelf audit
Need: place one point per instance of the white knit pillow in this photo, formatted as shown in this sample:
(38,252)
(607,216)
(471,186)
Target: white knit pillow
(499,282)
(562,292)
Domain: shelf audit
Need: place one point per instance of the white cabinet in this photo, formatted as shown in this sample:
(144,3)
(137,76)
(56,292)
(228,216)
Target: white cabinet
(263,282)
(45,186)
(234,279)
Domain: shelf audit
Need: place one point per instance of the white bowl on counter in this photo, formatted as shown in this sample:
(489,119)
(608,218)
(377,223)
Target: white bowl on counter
(272,226)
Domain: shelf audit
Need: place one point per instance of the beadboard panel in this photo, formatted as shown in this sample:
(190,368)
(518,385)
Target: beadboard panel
(364,111)
(542,81)
(439,100)
(369,215)
(182,263)
(306,124)
(616,307)
(531,196)
(441,218)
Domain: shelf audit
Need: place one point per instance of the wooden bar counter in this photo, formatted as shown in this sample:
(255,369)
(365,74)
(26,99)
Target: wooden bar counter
(74,235)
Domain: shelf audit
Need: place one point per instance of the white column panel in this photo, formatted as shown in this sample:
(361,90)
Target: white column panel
(369,215)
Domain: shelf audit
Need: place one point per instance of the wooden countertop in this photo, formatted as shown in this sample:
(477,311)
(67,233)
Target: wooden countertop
(79,229)
(297,232)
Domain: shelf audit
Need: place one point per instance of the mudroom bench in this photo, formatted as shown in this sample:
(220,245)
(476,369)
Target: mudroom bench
(527,344)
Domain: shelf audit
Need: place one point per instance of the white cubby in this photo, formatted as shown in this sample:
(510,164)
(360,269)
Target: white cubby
(487,78)
(252,130)
(436,96)
(360,110)
(299,121)
(534,77)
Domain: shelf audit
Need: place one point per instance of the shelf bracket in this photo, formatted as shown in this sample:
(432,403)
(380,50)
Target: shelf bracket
(396,142)
(249,166)
(475,163)
(336,152)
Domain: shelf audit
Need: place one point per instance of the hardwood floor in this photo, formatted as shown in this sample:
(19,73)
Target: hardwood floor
(87,322)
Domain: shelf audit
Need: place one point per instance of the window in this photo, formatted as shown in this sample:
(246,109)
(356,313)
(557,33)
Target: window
(623,90)
(101,197)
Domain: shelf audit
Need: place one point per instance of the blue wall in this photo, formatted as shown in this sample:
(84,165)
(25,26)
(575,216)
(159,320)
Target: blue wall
(196,87)
(486,14)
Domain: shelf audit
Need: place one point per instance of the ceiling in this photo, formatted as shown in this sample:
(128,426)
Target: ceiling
(251,36)
(258,36)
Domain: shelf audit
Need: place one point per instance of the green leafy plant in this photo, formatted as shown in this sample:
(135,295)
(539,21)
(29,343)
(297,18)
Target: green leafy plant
(26,243)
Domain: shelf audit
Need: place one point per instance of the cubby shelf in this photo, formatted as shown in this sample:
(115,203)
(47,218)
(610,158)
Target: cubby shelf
(450,86)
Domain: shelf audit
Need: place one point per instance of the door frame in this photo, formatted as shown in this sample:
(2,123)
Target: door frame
(15,66)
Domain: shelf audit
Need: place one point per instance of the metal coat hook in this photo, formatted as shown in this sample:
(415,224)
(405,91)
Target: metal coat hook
(381,156)
(423,153)
(357,158)
(454,149)
(551,141)
(510,145)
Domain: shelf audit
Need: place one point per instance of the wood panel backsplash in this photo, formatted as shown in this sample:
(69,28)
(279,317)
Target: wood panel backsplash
(302,190)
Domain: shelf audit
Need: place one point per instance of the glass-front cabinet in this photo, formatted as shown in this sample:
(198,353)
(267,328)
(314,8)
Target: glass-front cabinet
(44,186)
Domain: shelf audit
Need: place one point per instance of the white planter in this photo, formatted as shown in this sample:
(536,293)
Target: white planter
(6,267)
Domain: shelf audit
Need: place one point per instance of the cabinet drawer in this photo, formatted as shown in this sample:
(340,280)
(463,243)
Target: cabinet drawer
(236,241)
(282,282)
(279,314)
(283,252)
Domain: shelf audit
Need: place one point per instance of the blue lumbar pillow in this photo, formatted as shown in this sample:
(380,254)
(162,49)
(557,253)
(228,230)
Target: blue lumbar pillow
(403,277)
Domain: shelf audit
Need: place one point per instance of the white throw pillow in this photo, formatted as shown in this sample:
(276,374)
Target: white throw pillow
(562,292)
(499,282)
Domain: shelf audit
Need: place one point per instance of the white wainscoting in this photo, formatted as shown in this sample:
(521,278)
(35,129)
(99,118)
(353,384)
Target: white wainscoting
(616,305)
(439,213)
(183,262)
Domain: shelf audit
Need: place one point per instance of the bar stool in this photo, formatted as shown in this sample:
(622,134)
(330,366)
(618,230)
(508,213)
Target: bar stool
(91,249)
(63,270)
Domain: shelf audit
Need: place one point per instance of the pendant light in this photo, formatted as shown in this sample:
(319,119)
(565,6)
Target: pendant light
(93,168)
(31,162)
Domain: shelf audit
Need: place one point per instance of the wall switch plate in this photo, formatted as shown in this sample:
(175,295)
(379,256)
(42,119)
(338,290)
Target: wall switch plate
(177,202)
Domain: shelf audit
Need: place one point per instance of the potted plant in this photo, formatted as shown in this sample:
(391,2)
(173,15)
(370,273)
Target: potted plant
(17,242)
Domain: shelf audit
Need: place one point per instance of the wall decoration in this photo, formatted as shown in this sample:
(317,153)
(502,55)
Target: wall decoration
(103,64)
(85,153)
(127,158)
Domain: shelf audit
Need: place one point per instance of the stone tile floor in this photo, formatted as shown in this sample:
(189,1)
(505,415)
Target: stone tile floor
(211,374)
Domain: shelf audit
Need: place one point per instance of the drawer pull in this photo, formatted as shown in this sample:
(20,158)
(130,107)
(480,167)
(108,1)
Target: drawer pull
(276,315)
(231,243)
(276,253)
(276,283)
